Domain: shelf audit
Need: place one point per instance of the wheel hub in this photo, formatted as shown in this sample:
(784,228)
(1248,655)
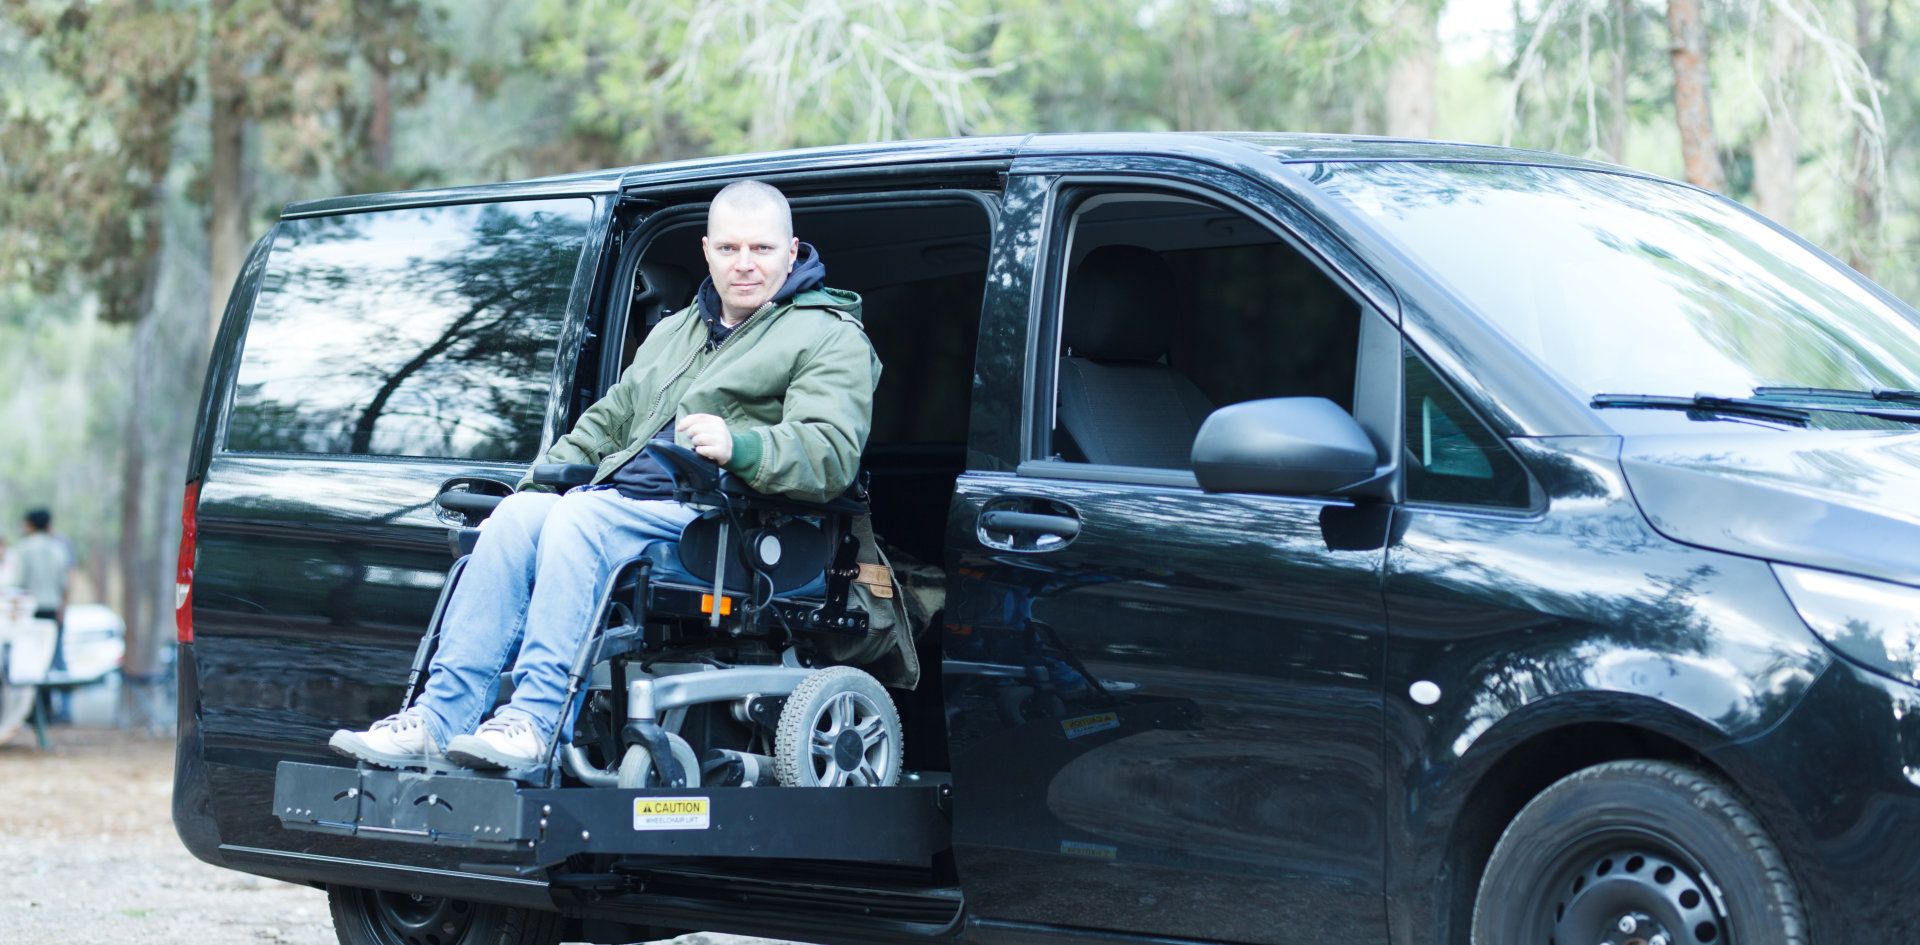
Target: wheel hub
(849,750)
(1630,897)
(414,919)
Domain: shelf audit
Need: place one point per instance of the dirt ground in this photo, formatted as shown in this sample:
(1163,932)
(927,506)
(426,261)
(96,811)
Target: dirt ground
(88,857)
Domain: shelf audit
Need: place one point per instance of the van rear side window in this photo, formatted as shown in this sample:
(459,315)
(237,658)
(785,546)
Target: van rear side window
(419,332)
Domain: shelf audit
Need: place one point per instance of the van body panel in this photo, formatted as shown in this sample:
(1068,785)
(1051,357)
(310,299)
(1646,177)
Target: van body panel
(997,424)
(592,183)
(1207,728)
(1849,813)
(1831,499)
(315,575)
(871,162)
(1533,625)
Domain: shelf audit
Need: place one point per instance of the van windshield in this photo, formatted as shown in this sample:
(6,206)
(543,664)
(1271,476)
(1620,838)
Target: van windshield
(1625,285)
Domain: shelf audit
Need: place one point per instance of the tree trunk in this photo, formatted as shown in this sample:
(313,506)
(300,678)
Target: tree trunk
(1691,94)
(1410,83)
(1624,23)
(1196,101)
(134,596)
(1863,246)
(226,167)
(380,123)
(1777,155)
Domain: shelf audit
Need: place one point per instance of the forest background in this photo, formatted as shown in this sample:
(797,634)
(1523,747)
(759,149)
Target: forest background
(145,144)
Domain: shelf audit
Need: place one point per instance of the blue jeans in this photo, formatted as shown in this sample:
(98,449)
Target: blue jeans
(528,595)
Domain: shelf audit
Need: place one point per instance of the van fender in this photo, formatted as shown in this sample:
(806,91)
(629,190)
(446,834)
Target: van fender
(1535,717)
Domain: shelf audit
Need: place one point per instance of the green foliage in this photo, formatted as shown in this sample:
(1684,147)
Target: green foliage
(660,79)
(664,79)
(1156,65)
(322,80)
(85,145)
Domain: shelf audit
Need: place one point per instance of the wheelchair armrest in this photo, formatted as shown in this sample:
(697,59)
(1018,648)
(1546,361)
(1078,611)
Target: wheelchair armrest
(692,473)
(696,479)
(563,475)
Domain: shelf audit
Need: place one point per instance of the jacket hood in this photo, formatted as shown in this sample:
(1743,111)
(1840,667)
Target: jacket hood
(1838,500)
(808,273)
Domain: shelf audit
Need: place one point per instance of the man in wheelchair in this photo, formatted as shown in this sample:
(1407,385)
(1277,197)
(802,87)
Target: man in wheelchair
(768,375)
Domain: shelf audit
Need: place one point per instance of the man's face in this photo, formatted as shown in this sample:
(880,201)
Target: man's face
(749,255)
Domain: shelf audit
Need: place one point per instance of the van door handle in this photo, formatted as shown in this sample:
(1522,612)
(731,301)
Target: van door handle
(467,503)
(1008,530)
(1031,524)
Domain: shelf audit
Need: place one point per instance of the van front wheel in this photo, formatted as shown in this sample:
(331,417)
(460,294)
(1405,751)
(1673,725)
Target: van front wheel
(1640,851)
(377,917)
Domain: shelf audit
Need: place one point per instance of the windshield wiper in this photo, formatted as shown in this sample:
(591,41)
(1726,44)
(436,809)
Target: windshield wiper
(1878,395)
(1707,404)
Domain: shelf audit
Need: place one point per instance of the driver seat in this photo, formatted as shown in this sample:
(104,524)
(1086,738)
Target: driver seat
(1119,400)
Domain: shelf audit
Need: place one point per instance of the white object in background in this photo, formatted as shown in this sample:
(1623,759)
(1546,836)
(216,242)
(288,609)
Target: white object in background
(96,643)
(26,648)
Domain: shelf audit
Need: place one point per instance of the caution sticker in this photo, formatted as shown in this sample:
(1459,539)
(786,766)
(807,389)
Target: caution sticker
(669,813)
(1089,724)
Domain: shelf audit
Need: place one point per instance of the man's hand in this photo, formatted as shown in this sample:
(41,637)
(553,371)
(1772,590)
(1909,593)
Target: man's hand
(709,434)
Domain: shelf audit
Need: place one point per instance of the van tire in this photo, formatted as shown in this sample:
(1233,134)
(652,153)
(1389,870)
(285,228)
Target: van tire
(835,715)
(376,917)
(1637,838)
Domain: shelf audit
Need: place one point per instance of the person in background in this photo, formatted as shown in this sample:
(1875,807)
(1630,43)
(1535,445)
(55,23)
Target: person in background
(44,569)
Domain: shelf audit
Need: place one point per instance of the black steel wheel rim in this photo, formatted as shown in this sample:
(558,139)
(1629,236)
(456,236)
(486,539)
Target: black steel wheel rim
(1627,890)
(412,919)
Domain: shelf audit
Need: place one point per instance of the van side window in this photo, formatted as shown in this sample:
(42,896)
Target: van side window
(420,332)
(1174,306)
(1451,457)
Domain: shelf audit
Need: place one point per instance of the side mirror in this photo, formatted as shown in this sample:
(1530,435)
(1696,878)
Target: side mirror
(1282,446)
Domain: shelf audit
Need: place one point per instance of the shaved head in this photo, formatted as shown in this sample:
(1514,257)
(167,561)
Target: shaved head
(749,247)
(755,197)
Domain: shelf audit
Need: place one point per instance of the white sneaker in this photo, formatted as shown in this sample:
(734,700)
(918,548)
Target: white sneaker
(400,740)
(504,741)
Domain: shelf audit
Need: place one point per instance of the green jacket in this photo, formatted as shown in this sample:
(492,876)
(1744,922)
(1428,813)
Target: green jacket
(794,382)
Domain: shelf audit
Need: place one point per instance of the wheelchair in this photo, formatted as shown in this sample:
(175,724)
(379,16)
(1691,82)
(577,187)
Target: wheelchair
(718,681)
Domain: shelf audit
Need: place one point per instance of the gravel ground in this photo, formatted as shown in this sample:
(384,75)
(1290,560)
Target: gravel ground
(88,857)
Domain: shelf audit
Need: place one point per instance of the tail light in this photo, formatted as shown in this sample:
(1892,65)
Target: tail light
(183,574)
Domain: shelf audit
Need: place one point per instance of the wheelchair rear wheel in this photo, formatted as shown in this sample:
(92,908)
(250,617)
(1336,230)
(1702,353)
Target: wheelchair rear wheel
(839,729)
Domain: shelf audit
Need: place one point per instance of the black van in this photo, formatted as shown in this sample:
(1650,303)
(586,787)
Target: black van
(1306,539)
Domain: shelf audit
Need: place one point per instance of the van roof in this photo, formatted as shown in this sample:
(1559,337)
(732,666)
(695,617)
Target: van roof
(1281,147)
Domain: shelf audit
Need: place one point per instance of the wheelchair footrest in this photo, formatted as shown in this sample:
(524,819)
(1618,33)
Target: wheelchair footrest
(458,808)
(908,823)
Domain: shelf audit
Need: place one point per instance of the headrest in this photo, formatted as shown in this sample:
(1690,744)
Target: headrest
(1120,305)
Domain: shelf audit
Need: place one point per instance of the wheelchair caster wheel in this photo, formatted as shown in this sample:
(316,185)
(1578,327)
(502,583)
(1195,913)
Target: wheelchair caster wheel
(839,728)
(637,771)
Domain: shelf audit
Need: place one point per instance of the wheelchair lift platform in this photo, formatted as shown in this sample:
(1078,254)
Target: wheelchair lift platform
(906,823)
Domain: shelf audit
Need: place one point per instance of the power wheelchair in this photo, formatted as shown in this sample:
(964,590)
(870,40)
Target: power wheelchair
(717,682)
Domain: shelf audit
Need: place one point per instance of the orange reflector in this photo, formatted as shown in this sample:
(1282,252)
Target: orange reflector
(706,605)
